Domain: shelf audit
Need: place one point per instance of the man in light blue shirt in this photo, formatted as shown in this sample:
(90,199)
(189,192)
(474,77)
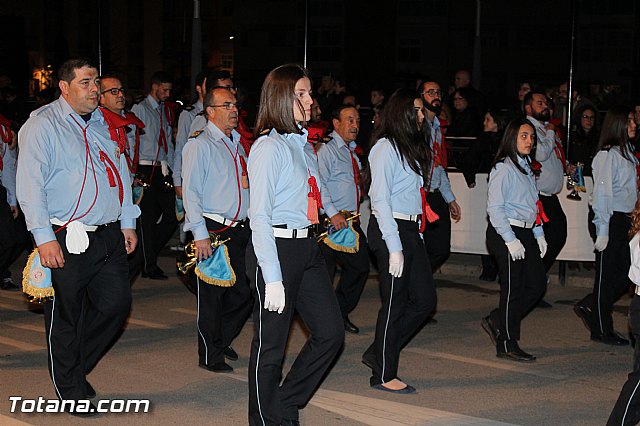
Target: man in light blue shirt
(340,175)
(156,155)
(216,200)
(437,235)
(74,188)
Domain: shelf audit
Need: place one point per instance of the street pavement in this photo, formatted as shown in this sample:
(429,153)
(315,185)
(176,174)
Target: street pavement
(452,364)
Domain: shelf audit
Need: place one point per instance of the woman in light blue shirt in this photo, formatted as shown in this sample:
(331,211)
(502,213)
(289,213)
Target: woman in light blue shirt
(615,192)
(515,237)
(284,263)
(398,159)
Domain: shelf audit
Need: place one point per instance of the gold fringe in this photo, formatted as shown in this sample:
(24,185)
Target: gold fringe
(344,249)
(213,281)
(36,294)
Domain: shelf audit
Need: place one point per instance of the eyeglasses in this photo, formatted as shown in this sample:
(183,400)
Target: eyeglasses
(432,92)
(114,91)
(589,117)
(227,105)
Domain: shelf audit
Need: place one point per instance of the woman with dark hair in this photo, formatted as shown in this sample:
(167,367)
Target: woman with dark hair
(397,161)
(584,138)
(466,121)
(284,263)
(615,192)
(515,237)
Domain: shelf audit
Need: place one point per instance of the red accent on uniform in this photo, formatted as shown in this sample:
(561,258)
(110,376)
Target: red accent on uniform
(111,172)
(540,216)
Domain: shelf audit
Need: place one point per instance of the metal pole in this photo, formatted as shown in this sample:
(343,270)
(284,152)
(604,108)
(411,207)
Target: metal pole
(570,83)
(477,53)
(306,29)
(99,38)
(196,45)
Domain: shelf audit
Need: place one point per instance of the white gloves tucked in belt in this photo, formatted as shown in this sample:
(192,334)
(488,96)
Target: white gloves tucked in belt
(396,263)
(516,249)
(601,242)
(542,244)
(274,296)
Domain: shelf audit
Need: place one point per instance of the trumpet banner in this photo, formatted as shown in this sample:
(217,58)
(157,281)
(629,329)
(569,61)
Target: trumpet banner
(36,279)
(346,240)
(216,269)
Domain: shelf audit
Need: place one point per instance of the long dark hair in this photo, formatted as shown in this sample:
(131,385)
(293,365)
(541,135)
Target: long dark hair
(509,143)
(399,124)
(614,130)
(277,99)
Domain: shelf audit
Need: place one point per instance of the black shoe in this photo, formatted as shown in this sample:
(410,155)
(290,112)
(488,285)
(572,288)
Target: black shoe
(349,327)
(155,274)
(584,313)
(91,411)
(405,390)
(218,367)
(487,277)
(612,338)
(230,354)
(8,284)
(490,328)
(544,304)
(290,422)
(516,354)
(90,392)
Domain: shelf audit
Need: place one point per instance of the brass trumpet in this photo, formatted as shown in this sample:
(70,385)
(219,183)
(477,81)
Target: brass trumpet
(190,260)
(327,223)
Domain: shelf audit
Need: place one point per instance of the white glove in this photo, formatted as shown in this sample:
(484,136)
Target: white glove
(516,249)
(274,296)
(396,263)
(601,242)
(542,244)
(164,166)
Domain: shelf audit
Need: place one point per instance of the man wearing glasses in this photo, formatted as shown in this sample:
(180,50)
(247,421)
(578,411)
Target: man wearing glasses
(436,181)
(216,201)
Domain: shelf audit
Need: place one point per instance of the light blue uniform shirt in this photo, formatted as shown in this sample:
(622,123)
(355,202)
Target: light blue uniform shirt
(51,168)
(336,173)
(184,132)
(615,186)
(439,177)
(552,172)
(279,167)
(151,114)
(512,195)
(394,188)
(8,173)
(212,173)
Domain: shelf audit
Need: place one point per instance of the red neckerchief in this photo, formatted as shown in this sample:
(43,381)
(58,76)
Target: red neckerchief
(440,152)
(170,108)
(541,217)
(5,129)
(118,131)
(246,137)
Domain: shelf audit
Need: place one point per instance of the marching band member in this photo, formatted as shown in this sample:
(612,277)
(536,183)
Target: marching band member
(340,176)
(515,237)
(75,191)
(284,263)
(398,160)
(216,199)
(615,192)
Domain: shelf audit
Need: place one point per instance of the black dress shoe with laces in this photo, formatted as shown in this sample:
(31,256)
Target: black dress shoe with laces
(230,354)
(516,354)
(218,367)
(350,327)
(584,313)
(612,338)
(155,274)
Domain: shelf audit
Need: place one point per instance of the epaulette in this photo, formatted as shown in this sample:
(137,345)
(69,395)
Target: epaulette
(189,108)
(203,112)
(265,132)
(196,134)
(606,148)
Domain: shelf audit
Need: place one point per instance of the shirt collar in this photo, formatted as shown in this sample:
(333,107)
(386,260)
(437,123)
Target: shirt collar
(153,102)
(299,139)
(68,111)
(218,134)
(537,123)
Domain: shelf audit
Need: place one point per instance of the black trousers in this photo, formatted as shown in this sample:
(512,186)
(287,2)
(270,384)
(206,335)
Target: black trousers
(522,284)
(13,235)
(406,301)
(156,202)
(612,269)
(354,272)
(555,230)
(437,235)
(309,292)
(627,408)
(92,301)
(222,311)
